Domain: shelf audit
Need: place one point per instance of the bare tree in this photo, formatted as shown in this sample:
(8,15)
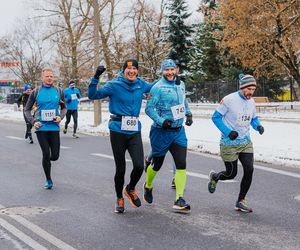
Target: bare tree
(26,47)
(69,20)
(148,43)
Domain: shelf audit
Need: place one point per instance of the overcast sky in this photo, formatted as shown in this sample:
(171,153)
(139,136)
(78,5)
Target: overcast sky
(13,9)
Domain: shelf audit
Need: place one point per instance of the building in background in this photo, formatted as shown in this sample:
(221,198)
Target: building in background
(9,81)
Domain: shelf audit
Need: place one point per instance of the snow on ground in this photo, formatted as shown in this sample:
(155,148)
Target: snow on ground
(280,144)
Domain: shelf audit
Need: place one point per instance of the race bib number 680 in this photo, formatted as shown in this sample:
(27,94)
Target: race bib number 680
(130,123)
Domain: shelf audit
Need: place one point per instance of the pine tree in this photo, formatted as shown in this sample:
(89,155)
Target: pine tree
(178,32)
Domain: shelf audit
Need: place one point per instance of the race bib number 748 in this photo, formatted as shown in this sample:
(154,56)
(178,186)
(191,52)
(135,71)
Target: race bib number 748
(178,111)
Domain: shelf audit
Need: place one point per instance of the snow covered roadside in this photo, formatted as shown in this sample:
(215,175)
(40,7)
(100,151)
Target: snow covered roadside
(280,144)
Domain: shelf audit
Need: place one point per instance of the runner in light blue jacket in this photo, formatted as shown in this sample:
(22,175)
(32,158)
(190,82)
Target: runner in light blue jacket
(167,107)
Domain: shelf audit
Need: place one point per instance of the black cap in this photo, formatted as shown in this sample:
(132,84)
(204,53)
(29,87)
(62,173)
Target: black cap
(130,62)
(70,82)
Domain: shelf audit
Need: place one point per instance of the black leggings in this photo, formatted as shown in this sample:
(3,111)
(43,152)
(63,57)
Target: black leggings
(179,156)
(50,144)
(133,143)
(231,171)
(74,114)
(28,127)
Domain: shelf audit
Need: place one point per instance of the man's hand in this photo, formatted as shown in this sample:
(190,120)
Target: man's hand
(233,135)
(99,71)
(189,120)
(166,124)
(260,129)
(37,125)
(57,119)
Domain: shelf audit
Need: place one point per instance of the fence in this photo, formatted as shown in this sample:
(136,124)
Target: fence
(214,91)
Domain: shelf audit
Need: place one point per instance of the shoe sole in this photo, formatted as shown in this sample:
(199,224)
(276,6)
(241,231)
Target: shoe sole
(148,203)
(129,198)
(243,210)
(119,212)
(181,209)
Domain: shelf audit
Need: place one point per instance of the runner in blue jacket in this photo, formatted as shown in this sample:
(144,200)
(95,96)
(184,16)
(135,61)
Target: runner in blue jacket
(72,94)
(48,100)
(168,107)
(125,93)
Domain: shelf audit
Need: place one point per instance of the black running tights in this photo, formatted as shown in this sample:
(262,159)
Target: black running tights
(74,114)
(246,160)
(133,143)
(50,145)
(179,155)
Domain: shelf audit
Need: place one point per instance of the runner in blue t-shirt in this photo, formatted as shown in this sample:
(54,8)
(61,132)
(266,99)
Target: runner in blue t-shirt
(233,117)
(48,100)
(72,95)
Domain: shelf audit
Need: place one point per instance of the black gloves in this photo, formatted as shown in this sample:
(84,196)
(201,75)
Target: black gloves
(189,120)
(260,129)
(233,135)
(166,124)
(99,71)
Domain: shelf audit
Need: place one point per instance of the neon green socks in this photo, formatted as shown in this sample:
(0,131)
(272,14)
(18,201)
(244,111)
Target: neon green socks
(150,176)
(180,180)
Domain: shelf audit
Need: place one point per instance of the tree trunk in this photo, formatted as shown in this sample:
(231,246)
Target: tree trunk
(96,19)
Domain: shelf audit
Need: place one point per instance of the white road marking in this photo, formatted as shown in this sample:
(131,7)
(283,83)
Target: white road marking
(22,139)
(202,176)
(35,229)
(21,236)
(268,169)
(107,156)
(42,233)
(15,138)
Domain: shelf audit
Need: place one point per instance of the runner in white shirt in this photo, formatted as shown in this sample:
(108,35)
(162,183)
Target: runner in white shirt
(233,117)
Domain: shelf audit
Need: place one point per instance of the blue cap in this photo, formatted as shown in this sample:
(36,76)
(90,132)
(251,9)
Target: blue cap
(167,63)
(27,86)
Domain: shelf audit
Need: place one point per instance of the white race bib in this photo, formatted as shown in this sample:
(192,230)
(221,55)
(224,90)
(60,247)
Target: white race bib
(73,96)
(130,123)
(178,111)
(48,115)
(243,119)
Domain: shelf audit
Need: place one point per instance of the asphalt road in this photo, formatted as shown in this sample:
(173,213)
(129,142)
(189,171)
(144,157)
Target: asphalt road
(78,212)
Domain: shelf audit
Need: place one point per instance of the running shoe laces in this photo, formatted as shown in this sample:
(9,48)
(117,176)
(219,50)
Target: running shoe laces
(133,197)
